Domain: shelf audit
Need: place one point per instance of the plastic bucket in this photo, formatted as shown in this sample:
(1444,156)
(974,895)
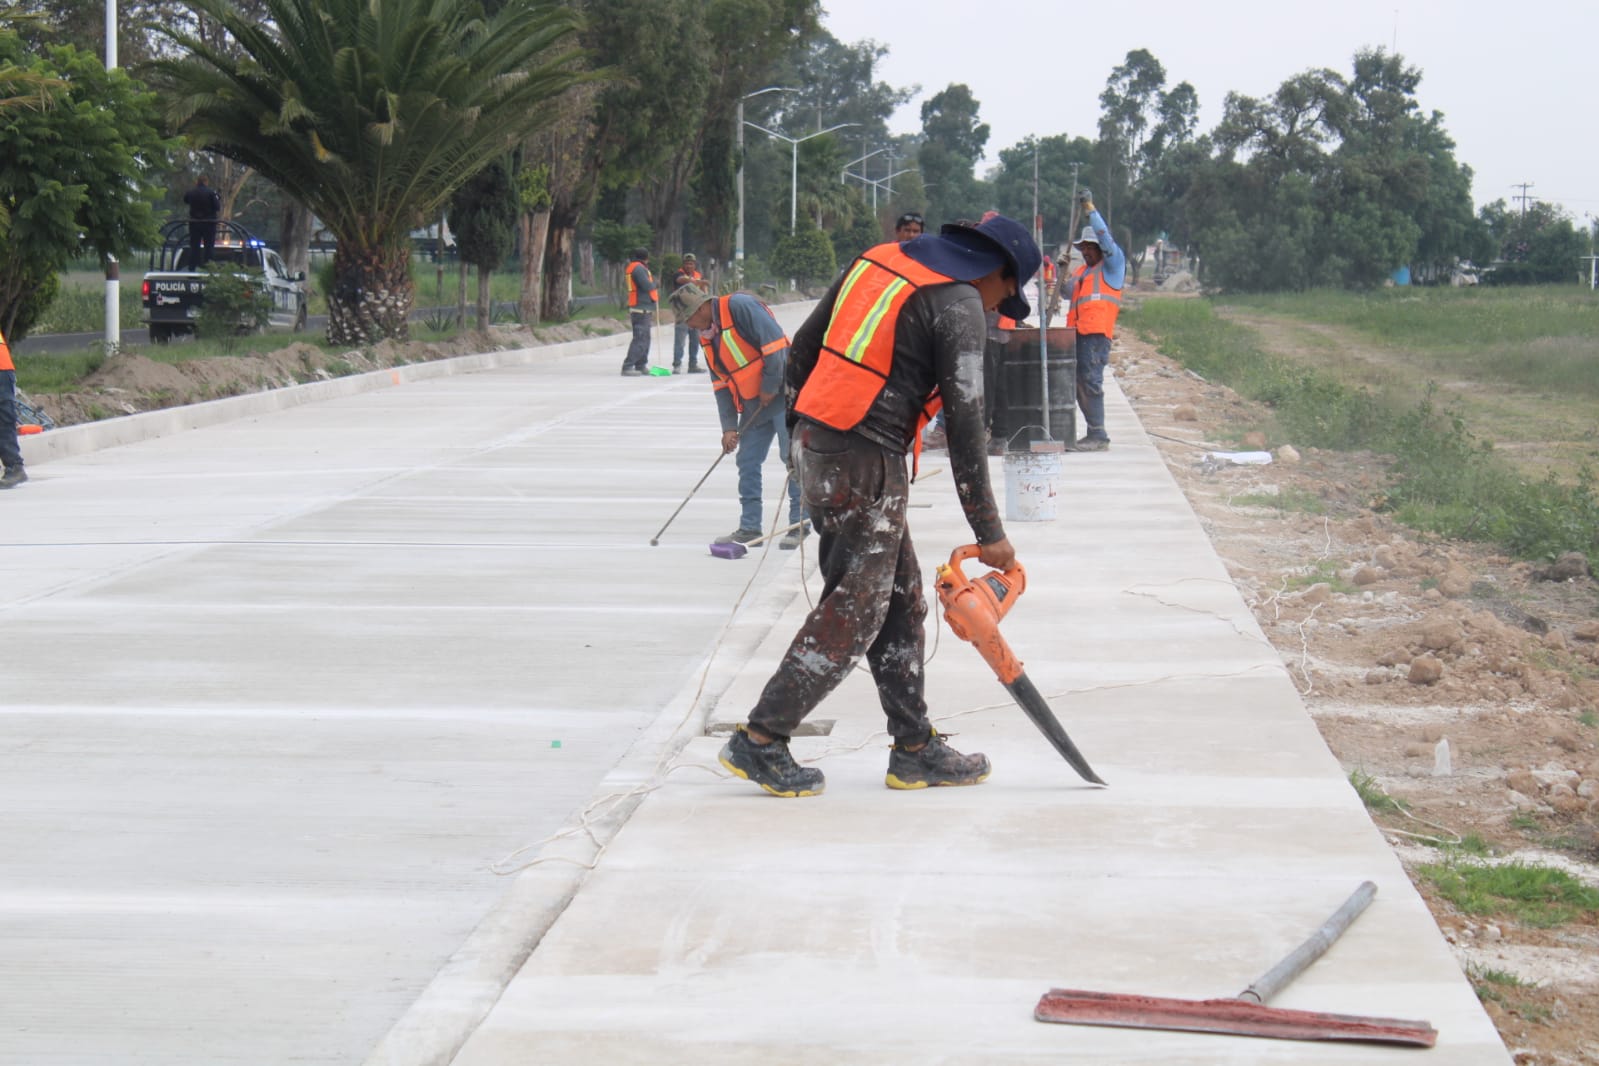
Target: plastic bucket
(1032,481)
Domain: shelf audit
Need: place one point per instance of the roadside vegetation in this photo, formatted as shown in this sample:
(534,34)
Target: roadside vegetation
(1522,348)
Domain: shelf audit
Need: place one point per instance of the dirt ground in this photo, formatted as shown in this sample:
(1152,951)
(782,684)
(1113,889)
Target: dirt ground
(1462,683)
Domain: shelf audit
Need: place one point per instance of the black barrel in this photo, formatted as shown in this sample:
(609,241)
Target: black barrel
(1018,407)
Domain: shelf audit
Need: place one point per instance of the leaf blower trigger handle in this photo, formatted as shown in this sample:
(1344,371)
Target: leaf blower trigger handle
(973,608)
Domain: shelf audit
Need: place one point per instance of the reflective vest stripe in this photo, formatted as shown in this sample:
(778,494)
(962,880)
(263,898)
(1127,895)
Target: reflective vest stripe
(1094,303)
(857,352)
(736,364)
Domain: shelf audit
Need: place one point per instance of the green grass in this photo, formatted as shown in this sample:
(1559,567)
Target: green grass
(1447,479)
(1541,338)
(1372,794)
(1290,499)
(1538,896)
(1324,572)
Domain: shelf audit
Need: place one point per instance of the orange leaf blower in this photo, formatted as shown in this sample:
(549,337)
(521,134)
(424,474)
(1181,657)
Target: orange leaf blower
(973,610)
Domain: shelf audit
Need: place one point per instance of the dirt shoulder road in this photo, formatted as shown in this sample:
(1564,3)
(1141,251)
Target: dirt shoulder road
(1458,683)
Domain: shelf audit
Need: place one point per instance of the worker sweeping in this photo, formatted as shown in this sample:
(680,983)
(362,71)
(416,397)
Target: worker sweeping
(746,352)
(899,335)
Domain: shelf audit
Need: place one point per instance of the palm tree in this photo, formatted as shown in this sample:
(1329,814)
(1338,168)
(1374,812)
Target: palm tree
(371,113)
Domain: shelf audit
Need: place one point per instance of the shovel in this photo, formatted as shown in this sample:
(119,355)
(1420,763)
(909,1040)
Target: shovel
(1246,1014)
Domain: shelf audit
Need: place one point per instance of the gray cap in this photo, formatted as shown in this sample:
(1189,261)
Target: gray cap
(687,300)
(1088,237)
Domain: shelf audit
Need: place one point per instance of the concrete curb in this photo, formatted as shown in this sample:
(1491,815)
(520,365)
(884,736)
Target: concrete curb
(443,1018)
(131,429)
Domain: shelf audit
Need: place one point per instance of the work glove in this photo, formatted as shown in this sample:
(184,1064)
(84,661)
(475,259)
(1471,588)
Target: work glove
(1086,200)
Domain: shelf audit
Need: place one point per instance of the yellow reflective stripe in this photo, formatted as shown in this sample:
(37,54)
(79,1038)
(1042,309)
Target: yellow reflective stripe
(849,283)
(730,341)
(872,320)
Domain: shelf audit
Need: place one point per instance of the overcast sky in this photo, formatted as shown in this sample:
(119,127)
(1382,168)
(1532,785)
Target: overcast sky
(1518,83)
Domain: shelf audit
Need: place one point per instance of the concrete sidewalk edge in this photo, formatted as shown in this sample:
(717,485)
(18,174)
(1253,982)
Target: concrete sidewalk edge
(88,437)
(469,985)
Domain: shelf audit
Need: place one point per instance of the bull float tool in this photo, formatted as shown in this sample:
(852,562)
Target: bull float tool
(973,610)
(1246,1014)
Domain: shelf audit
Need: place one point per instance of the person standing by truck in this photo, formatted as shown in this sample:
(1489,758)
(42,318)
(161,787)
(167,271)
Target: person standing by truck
(12,473)
(205,207)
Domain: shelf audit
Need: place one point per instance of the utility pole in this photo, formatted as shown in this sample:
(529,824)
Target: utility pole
(1524,186)
(113,276)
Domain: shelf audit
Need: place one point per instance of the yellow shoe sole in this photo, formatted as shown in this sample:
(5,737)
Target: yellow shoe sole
(894,782)
(793,794)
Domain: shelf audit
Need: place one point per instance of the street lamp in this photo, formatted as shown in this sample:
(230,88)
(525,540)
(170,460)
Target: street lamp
(113,276)
(793,172)
(738,235)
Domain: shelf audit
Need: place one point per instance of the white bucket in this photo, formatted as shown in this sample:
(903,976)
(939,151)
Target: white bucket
(1031,480)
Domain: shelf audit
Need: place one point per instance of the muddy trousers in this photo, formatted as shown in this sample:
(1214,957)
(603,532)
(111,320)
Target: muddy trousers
(871,603)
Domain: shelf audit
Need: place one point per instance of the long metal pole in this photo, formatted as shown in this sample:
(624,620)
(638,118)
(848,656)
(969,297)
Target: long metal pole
(738,233)
(793,189)
(113,277)
(1043,308)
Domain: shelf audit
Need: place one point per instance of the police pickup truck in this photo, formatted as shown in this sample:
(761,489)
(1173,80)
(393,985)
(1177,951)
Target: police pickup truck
(174,286)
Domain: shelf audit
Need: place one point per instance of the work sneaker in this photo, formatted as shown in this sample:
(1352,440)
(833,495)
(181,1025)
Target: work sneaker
(792,538)
(1092,444)
(13,477)
(739,536)
(936,764)
(770,766)
(692,369)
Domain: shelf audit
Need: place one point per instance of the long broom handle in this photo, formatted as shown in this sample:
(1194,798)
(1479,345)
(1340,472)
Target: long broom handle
(1278,977)
(655,540)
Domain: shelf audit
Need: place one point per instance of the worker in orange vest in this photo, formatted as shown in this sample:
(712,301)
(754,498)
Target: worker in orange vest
(685,339)
(641,302)
(1096,299)
(747,353)
(10,451)
(898,336)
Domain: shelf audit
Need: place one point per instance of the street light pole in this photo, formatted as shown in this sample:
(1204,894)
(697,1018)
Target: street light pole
(793,188)
(113,277)
(738,235)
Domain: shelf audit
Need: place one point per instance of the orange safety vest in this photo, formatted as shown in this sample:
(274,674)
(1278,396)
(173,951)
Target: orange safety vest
(736,363)
(632,289)
(694,276)
(1094,304)
(5,355)
(1049,271)
(858,349)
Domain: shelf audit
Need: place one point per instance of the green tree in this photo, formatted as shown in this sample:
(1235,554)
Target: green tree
(482,215)
(77,175)
(1013,181)
(372,116)
(1538,244)
(952,142)
(806,256)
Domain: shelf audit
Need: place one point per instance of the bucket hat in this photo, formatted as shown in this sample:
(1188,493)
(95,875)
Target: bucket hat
(966,251)
(687,300)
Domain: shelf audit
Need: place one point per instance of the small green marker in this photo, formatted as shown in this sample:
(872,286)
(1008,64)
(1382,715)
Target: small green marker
(555,743)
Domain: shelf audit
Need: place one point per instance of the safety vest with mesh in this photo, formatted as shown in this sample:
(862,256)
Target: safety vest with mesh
(5,354)
(858,348)
(632,287)
(1094,303)
(736,362)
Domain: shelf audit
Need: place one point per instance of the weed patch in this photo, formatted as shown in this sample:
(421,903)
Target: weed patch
(1372,794)
(1538,896)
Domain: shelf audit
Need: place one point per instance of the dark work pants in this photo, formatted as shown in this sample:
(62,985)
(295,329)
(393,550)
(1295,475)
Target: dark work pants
(871,603)
(638,351)
(202,234)
(10,450)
